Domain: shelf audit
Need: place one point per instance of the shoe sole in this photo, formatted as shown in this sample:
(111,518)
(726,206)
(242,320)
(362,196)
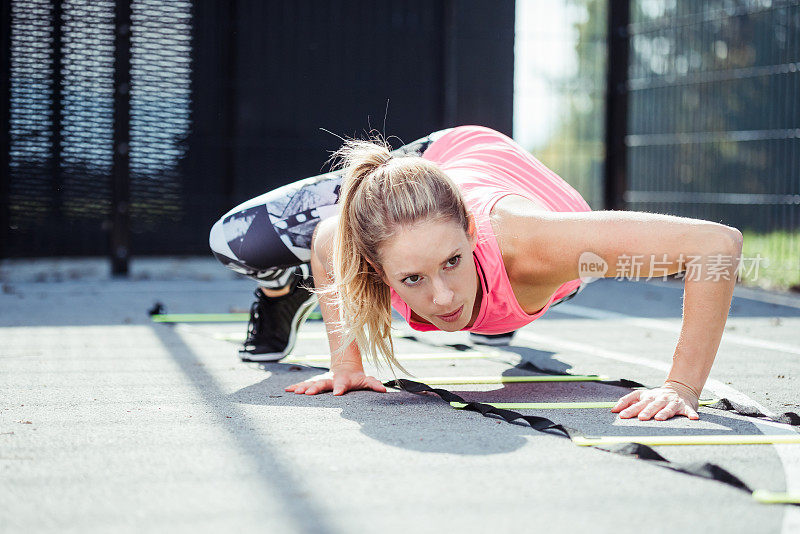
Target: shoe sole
(300,317)
(493,343)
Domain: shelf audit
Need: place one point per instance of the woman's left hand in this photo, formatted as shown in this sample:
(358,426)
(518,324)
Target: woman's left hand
(657,403)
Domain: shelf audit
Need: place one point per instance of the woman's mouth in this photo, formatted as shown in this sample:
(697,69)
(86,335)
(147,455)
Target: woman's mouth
(450,317)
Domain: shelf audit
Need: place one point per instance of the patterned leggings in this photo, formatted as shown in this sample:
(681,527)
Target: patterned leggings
(268,236)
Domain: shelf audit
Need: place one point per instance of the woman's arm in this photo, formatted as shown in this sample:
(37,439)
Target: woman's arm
(708,290)
(347,369)
(639,245)
(707,296)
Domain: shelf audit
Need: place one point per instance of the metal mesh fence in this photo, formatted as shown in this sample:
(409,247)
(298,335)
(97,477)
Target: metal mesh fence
(714,121)
(61,121)
(30,120)
(160,111)
(84,119)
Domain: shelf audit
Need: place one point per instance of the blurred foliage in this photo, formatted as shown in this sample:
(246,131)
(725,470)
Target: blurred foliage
(779,267)
(576,150)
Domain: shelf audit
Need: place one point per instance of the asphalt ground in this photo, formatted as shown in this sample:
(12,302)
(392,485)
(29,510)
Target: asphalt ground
(111,423)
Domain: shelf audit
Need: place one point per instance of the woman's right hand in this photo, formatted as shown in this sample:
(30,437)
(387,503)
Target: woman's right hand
(340,382)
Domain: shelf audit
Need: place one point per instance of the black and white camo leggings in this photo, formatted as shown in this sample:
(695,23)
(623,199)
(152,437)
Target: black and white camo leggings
(268,236)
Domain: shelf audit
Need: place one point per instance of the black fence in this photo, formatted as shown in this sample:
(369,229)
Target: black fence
(133,125)
(713,127)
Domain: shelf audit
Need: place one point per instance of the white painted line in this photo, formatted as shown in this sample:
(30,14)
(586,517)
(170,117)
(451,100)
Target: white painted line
(790,301)
(788,455)
(404,357)
(741,292)
(658,324)
(237,336)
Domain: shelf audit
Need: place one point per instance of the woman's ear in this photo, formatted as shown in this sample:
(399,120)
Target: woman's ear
(378,271)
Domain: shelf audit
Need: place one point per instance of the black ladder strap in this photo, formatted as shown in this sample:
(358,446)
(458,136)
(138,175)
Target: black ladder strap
(787,418)
(543,424)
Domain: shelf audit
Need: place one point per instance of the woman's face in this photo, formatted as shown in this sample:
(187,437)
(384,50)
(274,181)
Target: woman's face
(430,265)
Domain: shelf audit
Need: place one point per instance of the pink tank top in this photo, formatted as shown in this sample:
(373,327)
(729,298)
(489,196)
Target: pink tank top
(488,165)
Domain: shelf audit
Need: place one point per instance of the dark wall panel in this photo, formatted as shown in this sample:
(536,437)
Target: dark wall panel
(479,63)
(333,65)
(228,100)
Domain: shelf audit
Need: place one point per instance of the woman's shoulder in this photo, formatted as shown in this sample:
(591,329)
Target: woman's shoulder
(513,220)
(526,252)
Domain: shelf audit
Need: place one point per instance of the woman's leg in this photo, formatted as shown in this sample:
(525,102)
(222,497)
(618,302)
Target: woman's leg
(266,236)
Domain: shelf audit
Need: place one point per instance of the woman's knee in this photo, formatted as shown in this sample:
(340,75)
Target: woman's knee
(271,276)
(246,241)
(218,243)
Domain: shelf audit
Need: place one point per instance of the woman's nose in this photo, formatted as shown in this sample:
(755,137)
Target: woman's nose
(442,295)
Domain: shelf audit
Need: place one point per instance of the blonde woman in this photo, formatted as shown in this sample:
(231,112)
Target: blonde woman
(460,230)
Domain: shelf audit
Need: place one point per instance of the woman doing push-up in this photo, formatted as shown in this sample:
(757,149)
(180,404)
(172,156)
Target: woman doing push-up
(461,230)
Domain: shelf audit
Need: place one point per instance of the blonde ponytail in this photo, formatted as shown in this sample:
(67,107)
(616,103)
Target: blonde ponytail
(380,192)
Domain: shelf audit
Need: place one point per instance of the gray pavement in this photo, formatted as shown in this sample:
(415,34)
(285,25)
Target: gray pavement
(109,423)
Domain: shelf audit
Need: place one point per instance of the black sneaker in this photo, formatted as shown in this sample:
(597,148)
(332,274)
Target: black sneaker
(495,340)
(274,321)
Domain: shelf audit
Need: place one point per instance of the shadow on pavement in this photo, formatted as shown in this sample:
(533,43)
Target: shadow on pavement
(296,504)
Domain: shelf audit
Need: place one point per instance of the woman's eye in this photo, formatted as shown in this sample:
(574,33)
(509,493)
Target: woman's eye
(452,262)
(411,280)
